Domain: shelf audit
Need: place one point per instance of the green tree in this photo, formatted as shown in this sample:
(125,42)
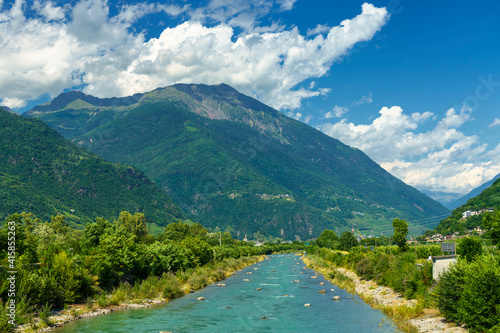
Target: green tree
(470,248)
(491,222)
(400,232)
(328,238)
(347,240)
(133,224)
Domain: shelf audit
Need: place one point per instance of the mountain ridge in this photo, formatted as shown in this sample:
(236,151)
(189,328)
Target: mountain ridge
(234,162)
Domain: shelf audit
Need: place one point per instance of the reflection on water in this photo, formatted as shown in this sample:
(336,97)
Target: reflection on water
(241,307)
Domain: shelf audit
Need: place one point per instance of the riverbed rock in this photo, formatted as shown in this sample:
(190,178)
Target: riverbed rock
(201,298)
(322,291)
(314,277)
(221,284)
(247,280)
(336,298)
(307,304)
(321,283)
(259,288)
(296,281)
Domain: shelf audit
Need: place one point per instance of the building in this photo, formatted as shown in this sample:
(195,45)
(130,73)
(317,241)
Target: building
(441,264)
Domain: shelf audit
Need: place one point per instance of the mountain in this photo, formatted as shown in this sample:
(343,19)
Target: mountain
(43,173)
(475,192)
(6,108)
(231,161)
(488,198)
(445,198)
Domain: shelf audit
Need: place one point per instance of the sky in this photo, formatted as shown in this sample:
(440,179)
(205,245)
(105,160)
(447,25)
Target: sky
(415,84)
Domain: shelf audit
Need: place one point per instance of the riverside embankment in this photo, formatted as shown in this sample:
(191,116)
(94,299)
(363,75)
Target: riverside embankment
(409,315)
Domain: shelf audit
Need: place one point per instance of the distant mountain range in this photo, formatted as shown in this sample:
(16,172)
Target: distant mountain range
(445,198)
(43,173)
(230,161)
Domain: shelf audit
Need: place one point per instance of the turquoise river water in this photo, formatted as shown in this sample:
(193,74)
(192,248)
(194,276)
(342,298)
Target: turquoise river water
(239,307)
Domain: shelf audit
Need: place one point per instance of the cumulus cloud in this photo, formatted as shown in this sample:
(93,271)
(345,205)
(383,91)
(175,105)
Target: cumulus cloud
(82,45)
(442,158)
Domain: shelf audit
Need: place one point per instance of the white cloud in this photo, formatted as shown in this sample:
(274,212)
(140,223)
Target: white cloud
(47,54)
(286,4)
(441,159)
(337,112)
(364,100)
(49,11)
(319,29)
(13,103)
(495,122)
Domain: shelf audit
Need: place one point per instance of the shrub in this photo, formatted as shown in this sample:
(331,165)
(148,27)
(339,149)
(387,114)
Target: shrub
(470,248)
(470,293)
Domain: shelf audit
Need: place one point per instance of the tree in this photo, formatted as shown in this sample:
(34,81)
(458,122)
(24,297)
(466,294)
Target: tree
(134,224)
(491,223)
(470,248)
(400,232)
(347,240)
(328,238)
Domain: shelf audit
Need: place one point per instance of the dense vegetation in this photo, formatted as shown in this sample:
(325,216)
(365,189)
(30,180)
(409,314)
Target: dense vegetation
(42,172)
(233,162)
(489,198)
(58,265)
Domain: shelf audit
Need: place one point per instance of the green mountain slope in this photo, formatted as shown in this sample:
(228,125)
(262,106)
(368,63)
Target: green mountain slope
(489,198)
(43,173)
(236,163)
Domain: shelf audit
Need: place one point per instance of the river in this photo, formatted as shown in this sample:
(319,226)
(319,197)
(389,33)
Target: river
(238,307)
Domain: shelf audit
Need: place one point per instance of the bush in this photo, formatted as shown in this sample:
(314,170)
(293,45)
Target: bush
(470,293)
(470,248)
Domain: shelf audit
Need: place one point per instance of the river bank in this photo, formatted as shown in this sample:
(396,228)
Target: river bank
(166,288)
(409,315)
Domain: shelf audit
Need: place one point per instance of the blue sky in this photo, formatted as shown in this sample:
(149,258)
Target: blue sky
(414,84)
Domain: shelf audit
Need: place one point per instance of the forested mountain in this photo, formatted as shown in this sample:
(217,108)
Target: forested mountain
(43,173)
(489,198)
(233,162)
